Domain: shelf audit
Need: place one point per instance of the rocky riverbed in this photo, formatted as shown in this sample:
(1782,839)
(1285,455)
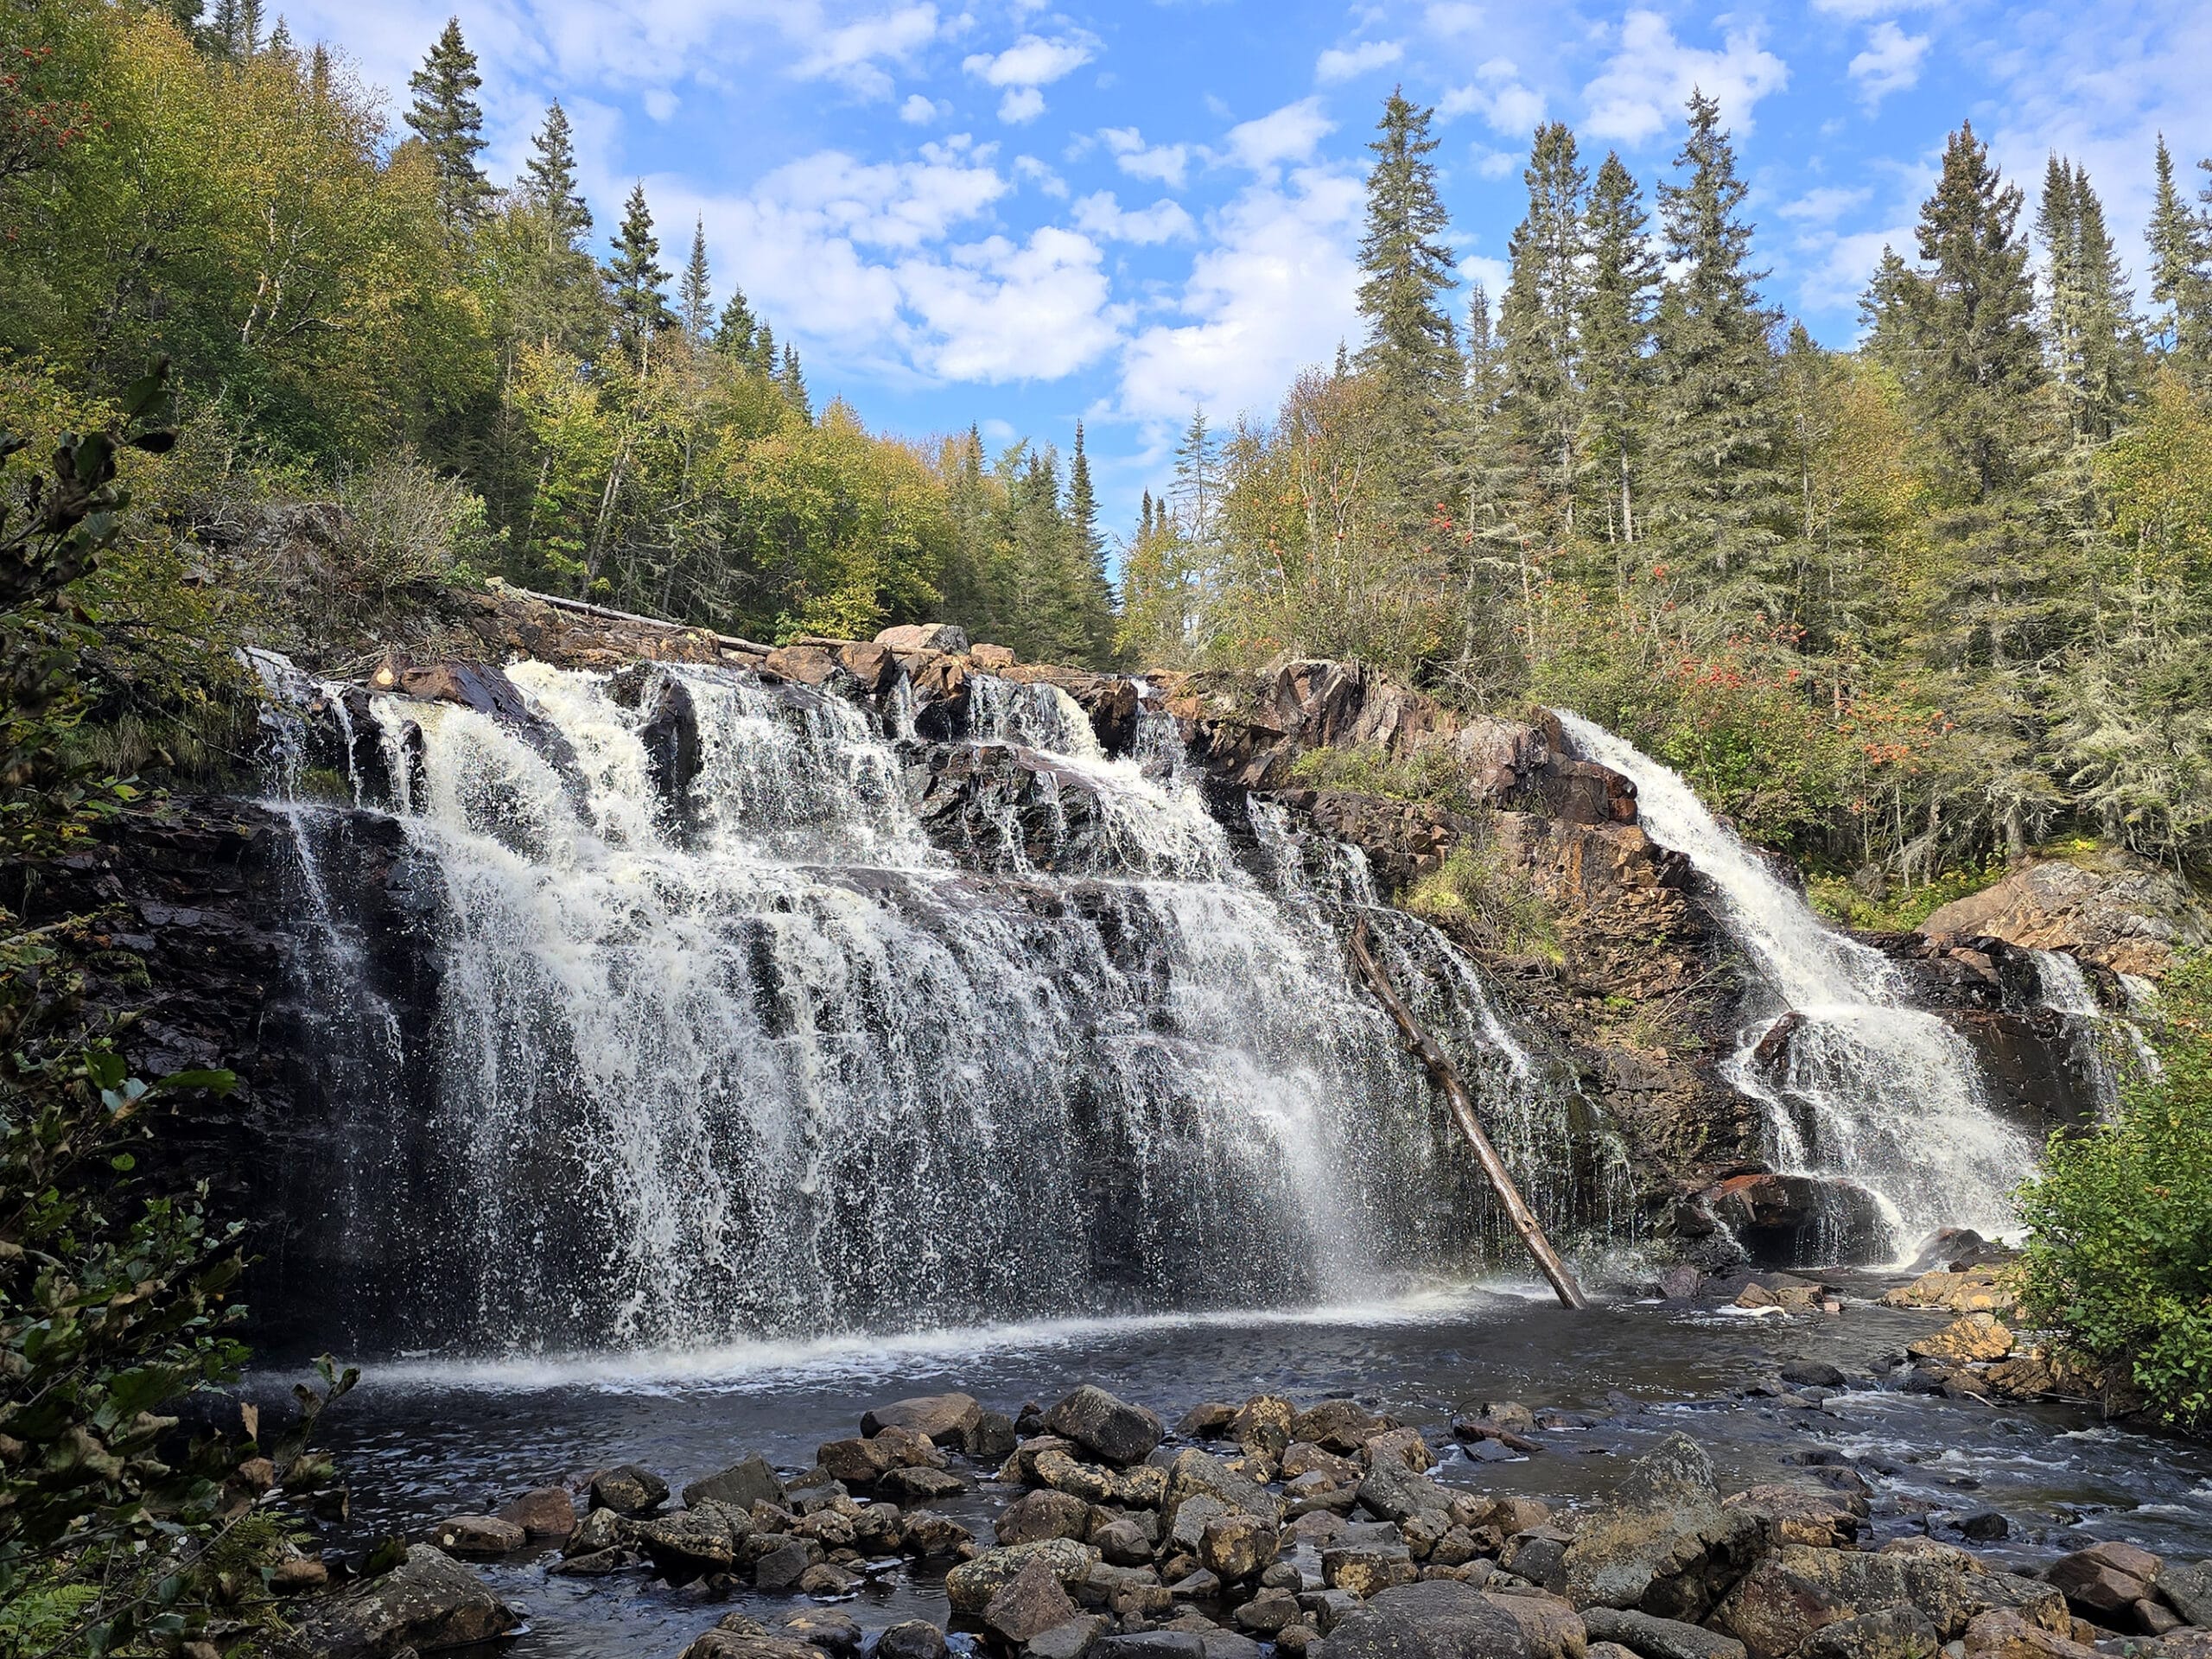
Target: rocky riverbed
(1720,1476)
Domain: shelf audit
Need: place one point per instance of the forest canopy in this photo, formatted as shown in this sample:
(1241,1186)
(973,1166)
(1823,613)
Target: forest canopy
(1912,607)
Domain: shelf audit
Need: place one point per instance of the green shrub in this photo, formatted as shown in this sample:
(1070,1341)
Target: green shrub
(1430,775)
(2120,1261)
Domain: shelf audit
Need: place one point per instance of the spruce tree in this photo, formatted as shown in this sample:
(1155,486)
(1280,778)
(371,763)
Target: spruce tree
(1618,301)
(555,293)
(2181,275)
(1408,266)
(793,381)
(1096,606)
(764,359)
(2089,327)
(1716,498)
(450,123)
(695,294)
(1538,320)
(636,279)
(734,331)
(1491,554)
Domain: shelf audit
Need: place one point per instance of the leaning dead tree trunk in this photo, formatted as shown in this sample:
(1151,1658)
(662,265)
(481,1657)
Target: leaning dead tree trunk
(1446,1077)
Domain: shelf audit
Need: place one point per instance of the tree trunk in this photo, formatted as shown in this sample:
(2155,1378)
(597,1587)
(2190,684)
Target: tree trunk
(1446,1077)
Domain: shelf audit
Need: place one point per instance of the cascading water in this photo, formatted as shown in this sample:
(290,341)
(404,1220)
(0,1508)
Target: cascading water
(2109,1046)
(765,1059)
(1866,1087)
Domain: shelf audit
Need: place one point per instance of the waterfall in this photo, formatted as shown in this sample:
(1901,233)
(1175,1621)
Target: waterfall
(768,1059)
(2110,1047)
(1865,1087)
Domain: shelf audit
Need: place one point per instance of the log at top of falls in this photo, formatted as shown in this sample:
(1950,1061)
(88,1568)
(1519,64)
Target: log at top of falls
(1446,1077)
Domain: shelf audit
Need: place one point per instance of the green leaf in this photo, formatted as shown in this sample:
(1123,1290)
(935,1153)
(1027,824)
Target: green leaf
(215,1082)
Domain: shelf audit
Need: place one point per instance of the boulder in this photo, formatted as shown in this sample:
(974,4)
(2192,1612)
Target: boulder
(1207,1421)
(837,1633)
(477,1536)
(1403,1447)
(785,1564)
(739,1486)
(1554,1630)
(628,1489)
(742,1643)
(917,1638)
(1111,1427)
(1667,1546)
(2002,1634)
(1235,1546)
(1978,1290)
(1365,1570)
(970,1585)
(429,1602)
(1978,1336)
(923,1485)
(701,1539)
(1890,1633)
(1042,1514)
(1268,1612)
(1805,1515)
(1342,1426)
(1071,1640)
(548,1512)
(1195,1472)
(925,636)
(2188,1591)
(2111,908)
(600,1529)
(668,730)
(1437,1620)
(1394,1492)
(1794,1221)
(1776,1607)
(1659,1638)
(1262,1424)
(946,1418)
(927,1533)
(1144,1487)
(1027,1605)
(2104,1581)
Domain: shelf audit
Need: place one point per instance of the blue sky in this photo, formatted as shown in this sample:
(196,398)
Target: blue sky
(1021,214)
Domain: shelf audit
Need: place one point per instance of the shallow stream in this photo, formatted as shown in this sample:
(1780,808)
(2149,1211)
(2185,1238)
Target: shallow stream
(423,1440)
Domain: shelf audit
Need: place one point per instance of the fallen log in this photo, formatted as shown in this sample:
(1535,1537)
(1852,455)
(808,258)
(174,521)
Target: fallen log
(1446,1077)
(579,607)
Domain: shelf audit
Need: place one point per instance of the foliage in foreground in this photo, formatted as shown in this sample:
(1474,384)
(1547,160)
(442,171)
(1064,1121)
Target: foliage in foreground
(2120,1262)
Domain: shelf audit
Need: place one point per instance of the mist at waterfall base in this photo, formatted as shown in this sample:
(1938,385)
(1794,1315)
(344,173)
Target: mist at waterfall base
(767,1061)
(1869,1089)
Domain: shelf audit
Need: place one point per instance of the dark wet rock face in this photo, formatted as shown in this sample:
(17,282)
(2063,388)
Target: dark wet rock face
(428,1603)
(1797,1221)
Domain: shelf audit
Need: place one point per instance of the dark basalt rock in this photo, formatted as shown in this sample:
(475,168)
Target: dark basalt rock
(669,731)
(1800,1221)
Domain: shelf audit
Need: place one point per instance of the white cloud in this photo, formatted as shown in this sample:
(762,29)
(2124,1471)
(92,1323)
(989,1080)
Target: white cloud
(1495,163)
(1104,218)
(1505,103)
(1041,176)
(1168,163)
(1021,104)
(1492,274)
(1643,86)
(848,54)
(1860,10)
(917,111)
(1033,61)
(1826,205)
(1452,18)
(1288,134)
(1348,63)
(1001,310)
(1891,62)
(660,103)
(1275,290)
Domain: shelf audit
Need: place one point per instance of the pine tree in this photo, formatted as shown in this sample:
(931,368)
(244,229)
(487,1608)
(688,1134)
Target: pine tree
(694,295)
(1495,577)
(233,33)
(1410,342)
(1197,478)
(1717,498)
(793,381)
(1617,302)
(765,359)
(1538,320)
(1096,605)
(636,278)
(450,123)
(2181,275)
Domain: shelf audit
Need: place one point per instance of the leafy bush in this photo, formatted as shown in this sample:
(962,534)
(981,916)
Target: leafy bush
(2120,1262)
(1428,775)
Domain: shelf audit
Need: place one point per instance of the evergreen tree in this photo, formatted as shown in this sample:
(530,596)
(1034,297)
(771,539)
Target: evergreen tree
(1096,606)
(734,331)
(793,382)
(2089,328)
(636,280)
(450,123)
(1410,342)
(764,359)
(1617,302)
(549,181)
(1197,478)
(1538,320)
(1495,578)
(556,294)
(2181,275)
(695,294)
(234,31)
(1716,495)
